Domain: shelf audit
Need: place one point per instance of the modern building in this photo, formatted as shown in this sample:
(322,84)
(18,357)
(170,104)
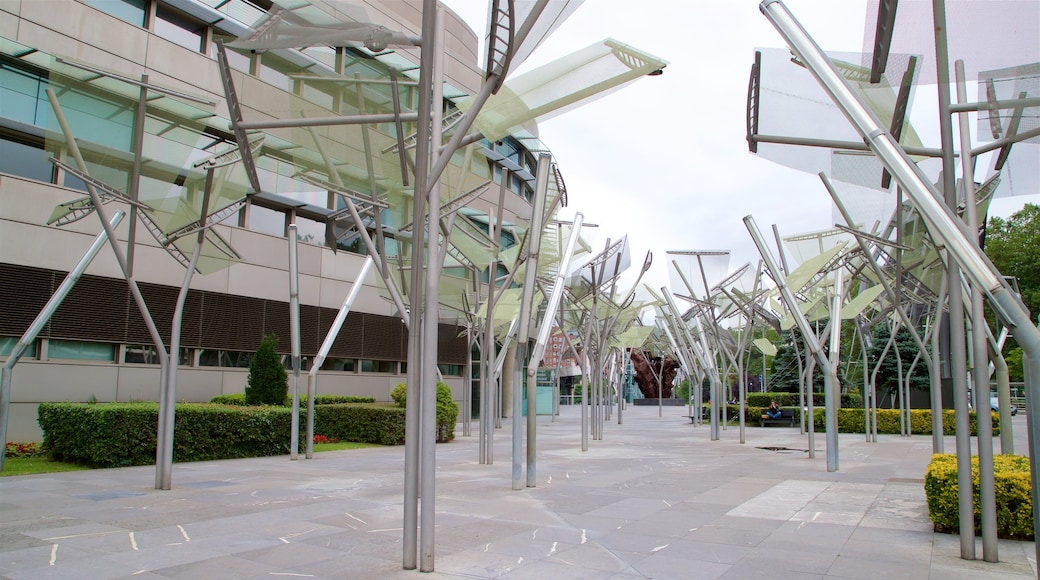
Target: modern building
(101,59)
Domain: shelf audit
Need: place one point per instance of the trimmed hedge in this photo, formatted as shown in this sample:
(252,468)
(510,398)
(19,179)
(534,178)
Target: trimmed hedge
(124,434)
(852,420)
(1012,481)
(240,400)
(447,409)
(791,399)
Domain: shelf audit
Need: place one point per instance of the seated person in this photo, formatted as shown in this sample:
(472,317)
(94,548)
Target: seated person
(773,412)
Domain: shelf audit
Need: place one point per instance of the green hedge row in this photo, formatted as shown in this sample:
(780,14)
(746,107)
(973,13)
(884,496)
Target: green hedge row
(240,400)
(853,421)
(791,399)
(123,434)
(1014,501)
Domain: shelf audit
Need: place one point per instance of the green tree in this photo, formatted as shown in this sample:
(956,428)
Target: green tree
(783,377)
(1013,244)
(888,375)
(268,383)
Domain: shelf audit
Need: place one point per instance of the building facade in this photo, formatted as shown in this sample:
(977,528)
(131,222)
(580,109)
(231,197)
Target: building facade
(93,57)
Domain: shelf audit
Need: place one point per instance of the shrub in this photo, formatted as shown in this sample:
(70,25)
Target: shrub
(1012,489)
(240,399)
(379,424)
(124,434)
(447,409)
(268,382)
(852,421)
(848,399)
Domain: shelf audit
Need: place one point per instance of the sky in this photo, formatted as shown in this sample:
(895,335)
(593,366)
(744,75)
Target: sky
(664,159)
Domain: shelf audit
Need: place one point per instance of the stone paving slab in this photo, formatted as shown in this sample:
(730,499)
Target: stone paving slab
(655,498)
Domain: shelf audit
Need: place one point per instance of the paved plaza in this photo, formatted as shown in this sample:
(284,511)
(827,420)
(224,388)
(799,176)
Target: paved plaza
(654,499)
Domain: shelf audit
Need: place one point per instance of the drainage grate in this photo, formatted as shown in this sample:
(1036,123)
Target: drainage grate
(782,449)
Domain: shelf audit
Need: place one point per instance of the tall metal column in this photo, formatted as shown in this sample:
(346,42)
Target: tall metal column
(294,339)
(980,346)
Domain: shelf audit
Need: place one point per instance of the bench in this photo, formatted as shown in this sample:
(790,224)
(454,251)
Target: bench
(785,419)
(704,414)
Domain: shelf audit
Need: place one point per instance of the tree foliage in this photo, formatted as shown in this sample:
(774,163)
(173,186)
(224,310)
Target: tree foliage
(268,383)
(1013,244)
(887,379)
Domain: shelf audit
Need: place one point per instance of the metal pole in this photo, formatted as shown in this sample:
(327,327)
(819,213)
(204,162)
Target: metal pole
(833,394)
(424,184)
(980,346)
(542,339)
(326,346)
(40,321)
(830,375)
(163,471)
(294,340)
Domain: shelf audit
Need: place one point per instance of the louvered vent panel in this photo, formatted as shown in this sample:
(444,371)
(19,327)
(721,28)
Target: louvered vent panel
(276,322)
(162,301)
(350,338)
(24,292)
(310,327)
(384,338)
(232,322)
(451,348)
(95,309)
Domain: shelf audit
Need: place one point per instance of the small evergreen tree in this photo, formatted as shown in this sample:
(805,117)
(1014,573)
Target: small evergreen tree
(268,383)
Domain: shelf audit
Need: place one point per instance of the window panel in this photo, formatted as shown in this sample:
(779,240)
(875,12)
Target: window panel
(147,354)
(378,366)
(179,29)
(80,350)
(132,11)
(347,365)
(7,344)
(25,160)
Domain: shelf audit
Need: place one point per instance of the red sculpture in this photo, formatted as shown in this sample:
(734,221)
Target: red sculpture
(647,370)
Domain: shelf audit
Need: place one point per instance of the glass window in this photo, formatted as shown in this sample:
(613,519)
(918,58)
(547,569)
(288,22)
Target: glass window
(132,11)
(305,363)
(80,350)
(179,29)
(146,354)
(238,59)
(310,232)
(347,365)
(25,160)
(266,220)
(378,366)
(450,370)
(275,70)
(7,345)
(225,358)
(22,95)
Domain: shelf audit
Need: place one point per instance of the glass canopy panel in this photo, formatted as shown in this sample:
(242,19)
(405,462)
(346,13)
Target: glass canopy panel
(985,34)
(802,248)
(1020,171)
(561,85)
(792,105)
(702,270)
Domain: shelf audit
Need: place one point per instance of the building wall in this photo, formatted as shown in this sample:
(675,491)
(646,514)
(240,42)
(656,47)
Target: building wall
(74,30)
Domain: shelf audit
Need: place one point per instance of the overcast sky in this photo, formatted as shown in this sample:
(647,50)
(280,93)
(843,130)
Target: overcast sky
(664,159)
